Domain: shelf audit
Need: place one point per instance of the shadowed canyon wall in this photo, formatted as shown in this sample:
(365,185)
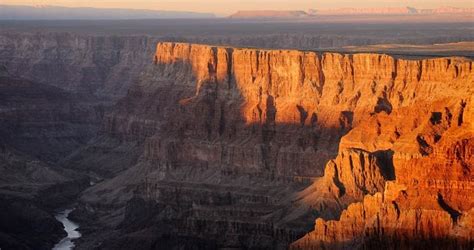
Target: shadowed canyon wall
(39,125)
(100,65)
(247,147)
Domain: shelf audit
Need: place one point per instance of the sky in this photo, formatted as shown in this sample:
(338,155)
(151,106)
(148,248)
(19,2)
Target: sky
(225,7)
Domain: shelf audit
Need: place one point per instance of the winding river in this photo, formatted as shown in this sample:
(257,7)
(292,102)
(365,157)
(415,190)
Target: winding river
(70,228)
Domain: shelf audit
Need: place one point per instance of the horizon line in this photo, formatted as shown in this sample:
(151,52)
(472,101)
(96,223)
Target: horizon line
(221,14)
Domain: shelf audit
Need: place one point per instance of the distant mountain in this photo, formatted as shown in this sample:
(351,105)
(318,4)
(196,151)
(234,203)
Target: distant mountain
(364,11)
(282,14)
(19,12)
(269,14)
(448,10)
(391,11)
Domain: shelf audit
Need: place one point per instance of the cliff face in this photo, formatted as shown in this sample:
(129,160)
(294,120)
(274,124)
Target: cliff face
(270,108)
(107,64)
(101,65)
(429,203)
(392,136)
(44,121)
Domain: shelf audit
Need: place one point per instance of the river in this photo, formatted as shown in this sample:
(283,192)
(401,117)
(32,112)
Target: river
(71,229)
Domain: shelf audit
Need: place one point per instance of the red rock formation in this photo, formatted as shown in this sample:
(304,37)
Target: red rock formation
(429,204)
(260,95)
(404,161)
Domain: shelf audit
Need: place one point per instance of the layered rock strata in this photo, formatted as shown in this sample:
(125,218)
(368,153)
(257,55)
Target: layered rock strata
(44,121)
(105,66)
(428,205)
(269,108)
(106,61)
(211,120)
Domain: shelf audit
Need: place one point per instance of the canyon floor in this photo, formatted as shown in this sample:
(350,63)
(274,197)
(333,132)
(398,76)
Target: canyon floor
(325,137)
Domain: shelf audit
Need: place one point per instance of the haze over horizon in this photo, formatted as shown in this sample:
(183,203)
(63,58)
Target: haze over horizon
(227,7)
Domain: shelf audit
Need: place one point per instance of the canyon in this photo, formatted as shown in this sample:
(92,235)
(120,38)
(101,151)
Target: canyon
(181,145)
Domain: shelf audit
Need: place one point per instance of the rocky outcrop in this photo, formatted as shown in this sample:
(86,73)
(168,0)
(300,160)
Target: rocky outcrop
(429,203)
(398,218)
(357,172)
(378,222)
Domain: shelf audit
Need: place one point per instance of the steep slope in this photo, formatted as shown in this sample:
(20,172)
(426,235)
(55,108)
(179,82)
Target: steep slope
(39,124)
(229,138)
(34,114)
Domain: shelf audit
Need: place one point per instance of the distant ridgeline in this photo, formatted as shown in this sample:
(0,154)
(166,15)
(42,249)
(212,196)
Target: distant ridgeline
(349,11)
(44,12)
